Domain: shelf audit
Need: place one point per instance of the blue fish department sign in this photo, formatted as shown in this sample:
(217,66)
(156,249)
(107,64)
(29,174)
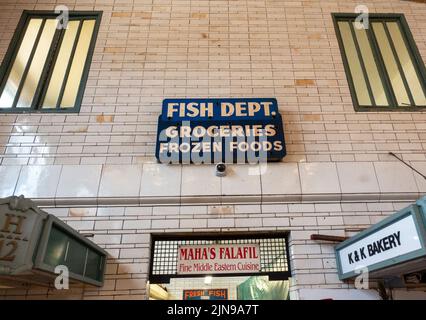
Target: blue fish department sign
(220,130)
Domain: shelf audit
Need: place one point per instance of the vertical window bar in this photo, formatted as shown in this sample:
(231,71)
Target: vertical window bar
(44,73)
(370,62)
(381,66)
(48,66)
(361,61)
(13,58)
(352,64)
(67,73)
(413,50)
(66,251)
(59,63)
(414,63)
(392,71)
(27,67)
(85,262)
(78,65)
(401,71)
(38,63)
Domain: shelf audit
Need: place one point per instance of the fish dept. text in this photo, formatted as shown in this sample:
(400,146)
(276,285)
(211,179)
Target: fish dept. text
(223,109)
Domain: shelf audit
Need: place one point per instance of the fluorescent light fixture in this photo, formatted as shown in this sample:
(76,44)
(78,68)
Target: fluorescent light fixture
(208,280)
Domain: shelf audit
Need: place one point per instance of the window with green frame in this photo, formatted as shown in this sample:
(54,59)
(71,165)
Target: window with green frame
(382,63)
(47,63)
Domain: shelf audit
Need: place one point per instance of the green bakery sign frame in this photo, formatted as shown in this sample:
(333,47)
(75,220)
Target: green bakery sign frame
(395,240)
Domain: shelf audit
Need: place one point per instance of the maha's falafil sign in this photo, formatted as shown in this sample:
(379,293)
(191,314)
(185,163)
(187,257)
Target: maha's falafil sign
(220,130)
(218,258)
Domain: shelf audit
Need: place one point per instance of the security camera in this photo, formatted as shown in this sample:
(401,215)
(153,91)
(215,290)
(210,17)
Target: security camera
(220,169)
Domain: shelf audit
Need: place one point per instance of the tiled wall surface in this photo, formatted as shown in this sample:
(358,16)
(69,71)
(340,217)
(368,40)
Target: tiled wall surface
(96,169)
(159,183)
(148,50)
(125,233)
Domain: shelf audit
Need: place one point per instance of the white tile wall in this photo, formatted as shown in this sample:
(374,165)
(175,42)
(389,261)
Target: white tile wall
(38,181)
(162,184)
(241,180)
(319,178)
(148,50)
(8,178)
(394,177)
(160,180)
(120,181)
(127,237)
(200,180)
(79,181)
(281,179)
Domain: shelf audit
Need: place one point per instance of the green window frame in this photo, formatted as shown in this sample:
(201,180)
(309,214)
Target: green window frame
(383,66)
(46,68)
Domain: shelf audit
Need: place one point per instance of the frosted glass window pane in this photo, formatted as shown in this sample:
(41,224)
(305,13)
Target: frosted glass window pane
(21,60)
(371,68)
(57,79)
(37,64)
(77,66)
(354,64)
(407,64)
(390,64)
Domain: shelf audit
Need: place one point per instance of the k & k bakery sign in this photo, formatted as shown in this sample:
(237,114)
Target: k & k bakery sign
(218,259)
(397,239)
(220,130)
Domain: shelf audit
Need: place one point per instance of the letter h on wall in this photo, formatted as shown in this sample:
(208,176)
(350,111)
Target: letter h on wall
(13,220)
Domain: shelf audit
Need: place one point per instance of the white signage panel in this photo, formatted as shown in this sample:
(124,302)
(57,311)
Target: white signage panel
(218,258)
(398,238)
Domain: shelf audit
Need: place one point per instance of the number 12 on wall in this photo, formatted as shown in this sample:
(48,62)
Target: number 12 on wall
(7,250)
